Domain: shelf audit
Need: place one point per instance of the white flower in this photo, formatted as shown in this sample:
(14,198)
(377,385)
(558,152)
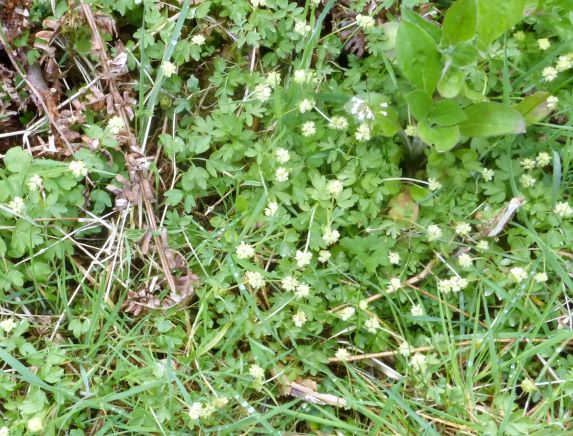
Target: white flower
(482,245)
(342,354)
(308,128)
(540,277)
(300,76)
(383,112)
(543,43)
(564,62)
(115,125)
(271,208)
(453,284)
(365,21)
(463,229)
(273,79)
(220,402)
(458,283)
(302,28)
(527,180)
(418,362)
(244,251)
(528,164)
(282,155)
(410,130)
(360,109)
(372,324)
(394,285)
(17,205)
(334,187)
(302,290)
(543,159)
(303,258)
(255,279)
(262,92)
(257,372)
(324,256)
(299,318)
(8,325)
(281,174)
(330,236)
(487,174)
(549,74)
(444,286)
(417,310)
(306,105)
(363,305)
(434,232)
(257,3)
(289,283)
(208,410)
(198,40)
(78,168)
(4,431)
(35,424)
(168,68)
(195,411)
(394,258)
(338,122)
(35,183)
(519,274)
(551,102)
(405,349)
(347,313)
(433,184)
(465,260)
(563,209)
(363,133)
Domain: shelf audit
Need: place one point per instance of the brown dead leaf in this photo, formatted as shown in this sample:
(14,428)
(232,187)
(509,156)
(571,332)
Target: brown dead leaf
(116,66)
(14,17)
(403,208)
(149,296)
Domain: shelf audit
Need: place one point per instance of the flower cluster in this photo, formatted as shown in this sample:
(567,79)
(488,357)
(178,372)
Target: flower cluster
(453,284)
(255,279)
(564,62)
(244,251)
(199,410)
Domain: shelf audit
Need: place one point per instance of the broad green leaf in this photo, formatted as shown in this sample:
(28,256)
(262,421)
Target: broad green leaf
(391,34)
(443,138)
(495,17)
(473,95)
(451,83)
(447,113)
(534,107)
(387,125)
(426,25)
(418,57)
(464,54)
(419,103)
(460,22)
(17,160)
(491,119)
(16,277)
